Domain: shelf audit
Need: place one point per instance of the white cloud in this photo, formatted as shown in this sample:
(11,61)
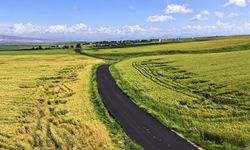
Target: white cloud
(64,29)
(202,16)
(57,29)
(174,9)
(130,29)
(159,18)
(226,25)
(247,25)
(219,14)
(105,30)
(199,17)
(219,28)
(238,3)
(21,28)
(205,12)
(198,29)
(77,29)
(127,29)
(232,15)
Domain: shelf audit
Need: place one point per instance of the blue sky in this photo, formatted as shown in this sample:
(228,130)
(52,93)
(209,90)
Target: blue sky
(123,19)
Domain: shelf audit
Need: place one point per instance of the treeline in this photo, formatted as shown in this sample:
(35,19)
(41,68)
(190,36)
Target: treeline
(125,43)
(121,43)
(58,46)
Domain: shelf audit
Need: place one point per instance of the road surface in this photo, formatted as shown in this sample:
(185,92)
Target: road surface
(137,124)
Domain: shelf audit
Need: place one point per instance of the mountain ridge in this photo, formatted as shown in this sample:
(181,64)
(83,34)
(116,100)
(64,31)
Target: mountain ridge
(12,40)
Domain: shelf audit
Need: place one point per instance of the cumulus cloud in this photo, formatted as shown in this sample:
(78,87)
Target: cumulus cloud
(205,12)
(202,16)
(219,28)
(105,30)
(29,28)
(199,17)
(159,18)
(64,29)
(133,31)
(238,3)
(126,29)
(130,29)
(170,9)
(225,25)
(247,25)
(57,29)
(21,28)
(219,14)
(77,29)
(199,29)
(177,9)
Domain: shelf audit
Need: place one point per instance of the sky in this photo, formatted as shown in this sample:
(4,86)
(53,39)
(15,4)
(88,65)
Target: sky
(123,19)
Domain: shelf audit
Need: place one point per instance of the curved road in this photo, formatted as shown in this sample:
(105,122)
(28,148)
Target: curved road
(138,125)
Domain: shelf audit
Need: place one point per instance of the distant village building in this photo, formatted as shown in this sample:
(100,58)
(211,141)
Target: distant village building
(60,46)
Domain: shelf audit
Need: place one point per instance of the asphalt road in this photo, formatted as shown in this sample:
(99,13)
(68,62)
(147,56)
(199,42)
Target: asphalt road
(137,124)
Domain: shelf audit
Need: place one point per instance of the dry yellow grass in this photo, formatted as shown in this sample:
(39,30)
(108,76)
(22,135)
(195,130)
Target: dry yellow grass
(45,104)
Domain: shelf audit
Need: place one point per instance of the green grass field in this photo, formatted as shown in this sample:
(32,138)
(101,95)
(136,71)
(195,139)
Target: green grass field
(40,52)
(206,97)
(200,45)
(14,47)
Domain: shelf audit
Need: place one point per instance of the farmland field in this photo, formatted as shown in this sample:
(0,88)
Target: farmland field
(205,97)
(46,104)
(49,98)
(125,75)
(14,47)
(210,45)
(39,52)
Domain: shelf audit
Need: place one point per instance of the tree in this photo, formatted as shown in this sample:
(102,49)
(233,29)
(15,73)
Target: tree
(78,46)
(66,47)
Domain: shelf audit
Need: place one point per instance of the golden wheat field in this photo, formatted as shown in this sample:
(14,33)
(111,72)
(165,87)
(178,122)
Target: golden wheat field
(45,104)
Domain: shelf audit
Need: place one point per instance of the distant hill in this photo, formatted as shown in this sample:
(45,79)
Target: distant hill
(15,40)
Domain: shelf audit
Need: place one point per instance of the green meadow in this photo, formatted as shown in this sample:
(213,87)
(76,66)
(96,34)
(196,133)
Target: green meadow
(204,97)
(220,44)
